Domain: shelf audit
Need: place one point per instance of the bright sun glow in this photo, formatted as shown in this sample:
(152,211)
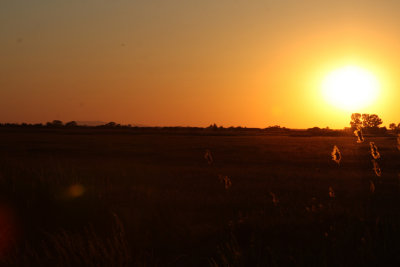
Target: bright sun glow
(350,88)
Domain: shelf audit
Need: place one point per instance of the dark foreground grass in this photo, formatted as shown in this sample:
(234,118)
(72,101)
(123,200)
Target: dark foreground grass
(95,199)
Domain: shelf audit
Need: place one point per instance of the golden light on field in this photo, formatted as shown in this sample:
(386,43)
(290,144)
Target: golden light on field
(351,88)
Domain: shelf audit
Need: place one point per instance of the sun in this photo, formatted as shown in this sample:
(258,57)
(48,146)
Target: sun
(350,88)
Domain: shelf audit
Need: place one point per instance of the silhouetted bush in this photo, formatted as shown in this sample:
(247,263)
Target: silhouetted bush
(71,124)
(55,124)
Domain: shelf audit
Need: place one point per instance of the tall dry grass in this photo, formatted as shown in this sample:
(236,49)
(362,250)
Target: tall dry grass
(64,248)
(176,212)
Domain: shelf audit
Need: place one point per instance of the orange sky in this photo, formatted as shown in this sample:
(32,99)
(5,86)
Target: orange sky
(170,63)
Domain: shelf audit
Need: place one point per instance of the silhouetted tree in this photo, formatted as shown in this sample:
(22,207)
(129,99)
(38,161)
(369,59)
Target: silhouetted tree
(395,128)
(111,124)
(355,120)
(71,124)
(273,127)
(213,126)
(365,120)
(371,121)
(55,123)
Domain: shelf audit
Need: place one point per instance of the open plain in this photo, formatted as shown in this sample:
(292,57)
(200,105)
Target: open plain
(119,198)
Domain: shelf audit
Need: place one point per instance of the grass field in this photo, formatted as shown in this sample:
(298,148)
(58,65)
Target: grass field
(88,198)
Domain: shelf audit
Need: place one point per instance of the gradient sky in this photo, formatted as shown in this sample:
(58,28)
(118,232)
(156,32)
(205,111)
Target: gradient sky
(192,63)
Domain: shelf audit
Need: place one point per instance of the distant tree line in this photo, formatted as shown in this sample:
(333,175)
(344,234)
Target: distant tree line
(60,124)
(370,123)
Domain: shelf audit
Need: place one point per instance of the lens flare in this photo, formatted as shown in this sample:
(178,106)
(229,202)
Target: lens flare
(75,190)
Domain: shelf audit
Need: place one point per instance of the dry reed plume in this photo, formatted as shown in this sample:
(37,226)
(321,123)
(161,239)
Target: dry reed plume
(336,155)
(371,186)
(275,200)
(359,134)
(208,156)
(376,168)
(331,192)
(375,155)
(374,150)
(226,180)
(315,206)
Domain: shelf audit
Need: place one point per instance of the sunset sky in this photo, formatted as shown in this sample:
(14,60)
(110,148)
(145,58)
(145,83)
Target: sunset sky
(193,63)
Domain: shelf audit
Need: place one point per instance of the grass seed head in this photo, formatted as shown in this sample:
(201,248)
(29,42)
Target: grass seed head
(374,150)
(359,134)
(331,192)
(336,155)
(228,182)
(275,200)
(208,156)
(376,168)
(371,186)
(225,180)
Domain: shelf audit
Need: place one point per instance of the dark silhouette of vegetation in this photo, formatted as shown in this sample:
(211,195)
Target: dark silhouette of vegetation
(369,122)
(395,128)
(316,131)
(111,124)
(71,124)
(213,127)
(355,120)
(55,124)
(365,120)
